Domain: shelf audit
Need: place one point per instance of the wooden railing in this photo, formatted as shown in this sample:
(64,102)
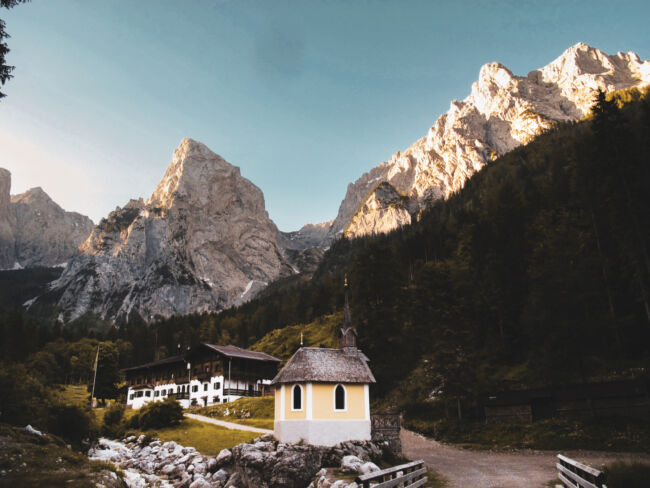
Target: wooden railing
(577,475)
(241,392)
(410,475)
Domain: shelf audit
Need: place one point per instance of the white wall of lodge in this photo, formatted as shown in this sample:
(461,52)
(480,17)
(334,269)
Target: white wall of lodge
(195,393)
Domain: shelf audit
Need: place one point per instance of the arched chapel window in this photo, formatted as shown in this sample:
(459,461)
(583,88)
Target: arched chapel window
(339,397)
(296,397)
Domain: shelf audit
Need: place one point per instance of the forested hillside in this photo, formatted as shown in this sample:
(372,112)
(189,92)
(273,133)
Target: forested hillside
(537,272)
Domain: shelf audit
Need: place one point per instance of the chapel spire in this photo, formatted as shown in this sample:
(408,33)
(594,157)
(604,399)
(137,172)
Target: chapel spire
(347,334)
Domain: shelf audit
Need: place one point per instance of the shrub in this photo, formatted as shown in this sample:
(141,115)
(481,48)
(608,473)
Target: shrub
(627,475)
(113,425)
(114,414)
(72,422)
(23,398)
(160,414)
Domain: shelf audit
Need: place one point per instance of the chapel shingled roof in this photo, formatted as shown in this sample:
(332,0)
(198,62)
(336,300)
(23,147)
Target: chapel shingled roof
(321,365)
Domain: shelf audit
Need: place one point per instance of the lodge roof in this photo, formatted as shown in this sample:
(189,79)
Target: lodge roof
(237,352)
(229,351)
(321,365)
(160,362)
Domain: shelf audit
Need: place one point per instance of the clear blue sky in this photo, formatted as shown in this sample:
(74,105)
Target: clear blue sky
(304,96)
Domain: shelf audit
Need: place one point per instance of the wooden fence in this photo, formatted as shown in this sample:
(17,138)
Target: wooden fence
(410,475)
(386,428)
(577,475)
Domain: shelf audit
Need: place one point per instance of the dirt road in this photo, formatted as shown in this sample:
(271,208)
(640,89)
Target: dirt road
(499,469)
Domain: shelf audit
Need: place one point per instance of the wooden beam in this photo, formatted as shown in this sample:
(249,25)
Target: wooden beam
(394,469)
(587,469)
(402,479)
(579,480)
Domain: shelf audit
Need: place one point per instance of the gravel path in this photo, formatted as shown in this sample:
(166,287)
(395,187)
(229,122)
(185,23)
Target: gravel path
(228,425)
(499,469)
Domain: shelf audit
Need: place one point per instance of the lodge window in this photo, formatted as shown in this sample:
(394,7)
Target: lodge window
(340,395)
(147,393)
(205,387)
(156,393)
(131,396)
(296,397)
(216,385)
(163,393)
(195,388)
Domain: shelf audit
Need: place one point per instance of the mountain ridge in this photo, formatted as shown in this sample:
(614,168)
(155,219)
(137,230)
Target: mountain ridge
(501,112)
(35,230)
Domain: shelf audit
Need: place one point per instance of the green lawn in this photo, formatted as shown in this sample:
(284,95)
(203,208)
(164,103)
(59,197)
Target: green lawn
(208,439)
(256,411)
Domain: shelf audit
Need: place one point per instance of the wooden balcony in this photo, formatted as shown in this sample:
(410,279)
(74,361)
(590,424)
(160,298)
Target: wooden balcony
(241,392)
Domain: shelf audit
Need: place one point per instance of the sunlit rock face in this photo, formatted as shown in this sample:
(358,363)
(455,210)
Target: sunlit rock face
(203,241)
(502,112)
(384,210)
(35,231)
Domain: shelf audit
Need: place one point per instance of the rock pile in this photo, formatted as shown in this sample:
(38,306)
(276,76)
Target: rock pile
(264,463)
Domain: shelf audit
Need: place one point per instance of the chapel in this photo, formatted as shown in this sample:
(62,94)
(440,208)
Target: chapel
(322,395)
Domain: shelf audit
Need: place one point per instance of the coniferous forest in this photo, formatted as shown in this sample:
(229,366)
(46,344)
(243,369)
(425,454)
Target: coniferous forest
(536,273)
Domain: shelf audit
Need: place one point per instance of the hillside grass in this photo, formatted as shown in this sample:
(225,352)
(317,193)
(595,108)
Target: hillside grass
(255,412)
(78,395)
(613,434)
(30,460)
(282,343)
(72,395)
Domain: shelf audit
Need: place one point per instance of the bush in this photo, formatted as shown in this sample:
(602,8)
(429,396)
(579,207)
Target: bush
(627,475)
(23,398)
(159,414)
(72,422)
(113,425)
(114,414)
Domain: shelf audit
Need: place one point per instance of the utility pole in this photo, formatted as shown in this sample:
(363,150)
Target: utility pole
(229,384)
(92,395)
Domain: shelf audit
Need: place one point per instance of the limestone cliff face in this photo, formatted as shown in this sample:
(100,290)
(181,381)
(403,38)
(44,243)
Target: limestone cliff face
(502,112)
(46,235)
(7,223)
(34,230)
(383,210)
(202,241)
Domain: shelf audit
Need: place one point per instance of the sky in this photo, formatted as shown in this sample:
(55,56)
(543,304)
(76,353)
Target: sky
(304,96)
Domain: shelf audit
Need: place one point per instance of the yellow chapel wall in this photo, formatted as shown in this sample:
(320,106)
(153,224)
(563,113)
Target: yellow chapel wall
(278,404)
(323,402)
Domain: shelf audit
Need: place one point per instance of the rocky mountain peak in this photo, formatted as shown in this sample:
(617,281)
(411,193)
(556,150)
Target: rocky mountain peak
(202,241)
(501,112)
(192,166)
